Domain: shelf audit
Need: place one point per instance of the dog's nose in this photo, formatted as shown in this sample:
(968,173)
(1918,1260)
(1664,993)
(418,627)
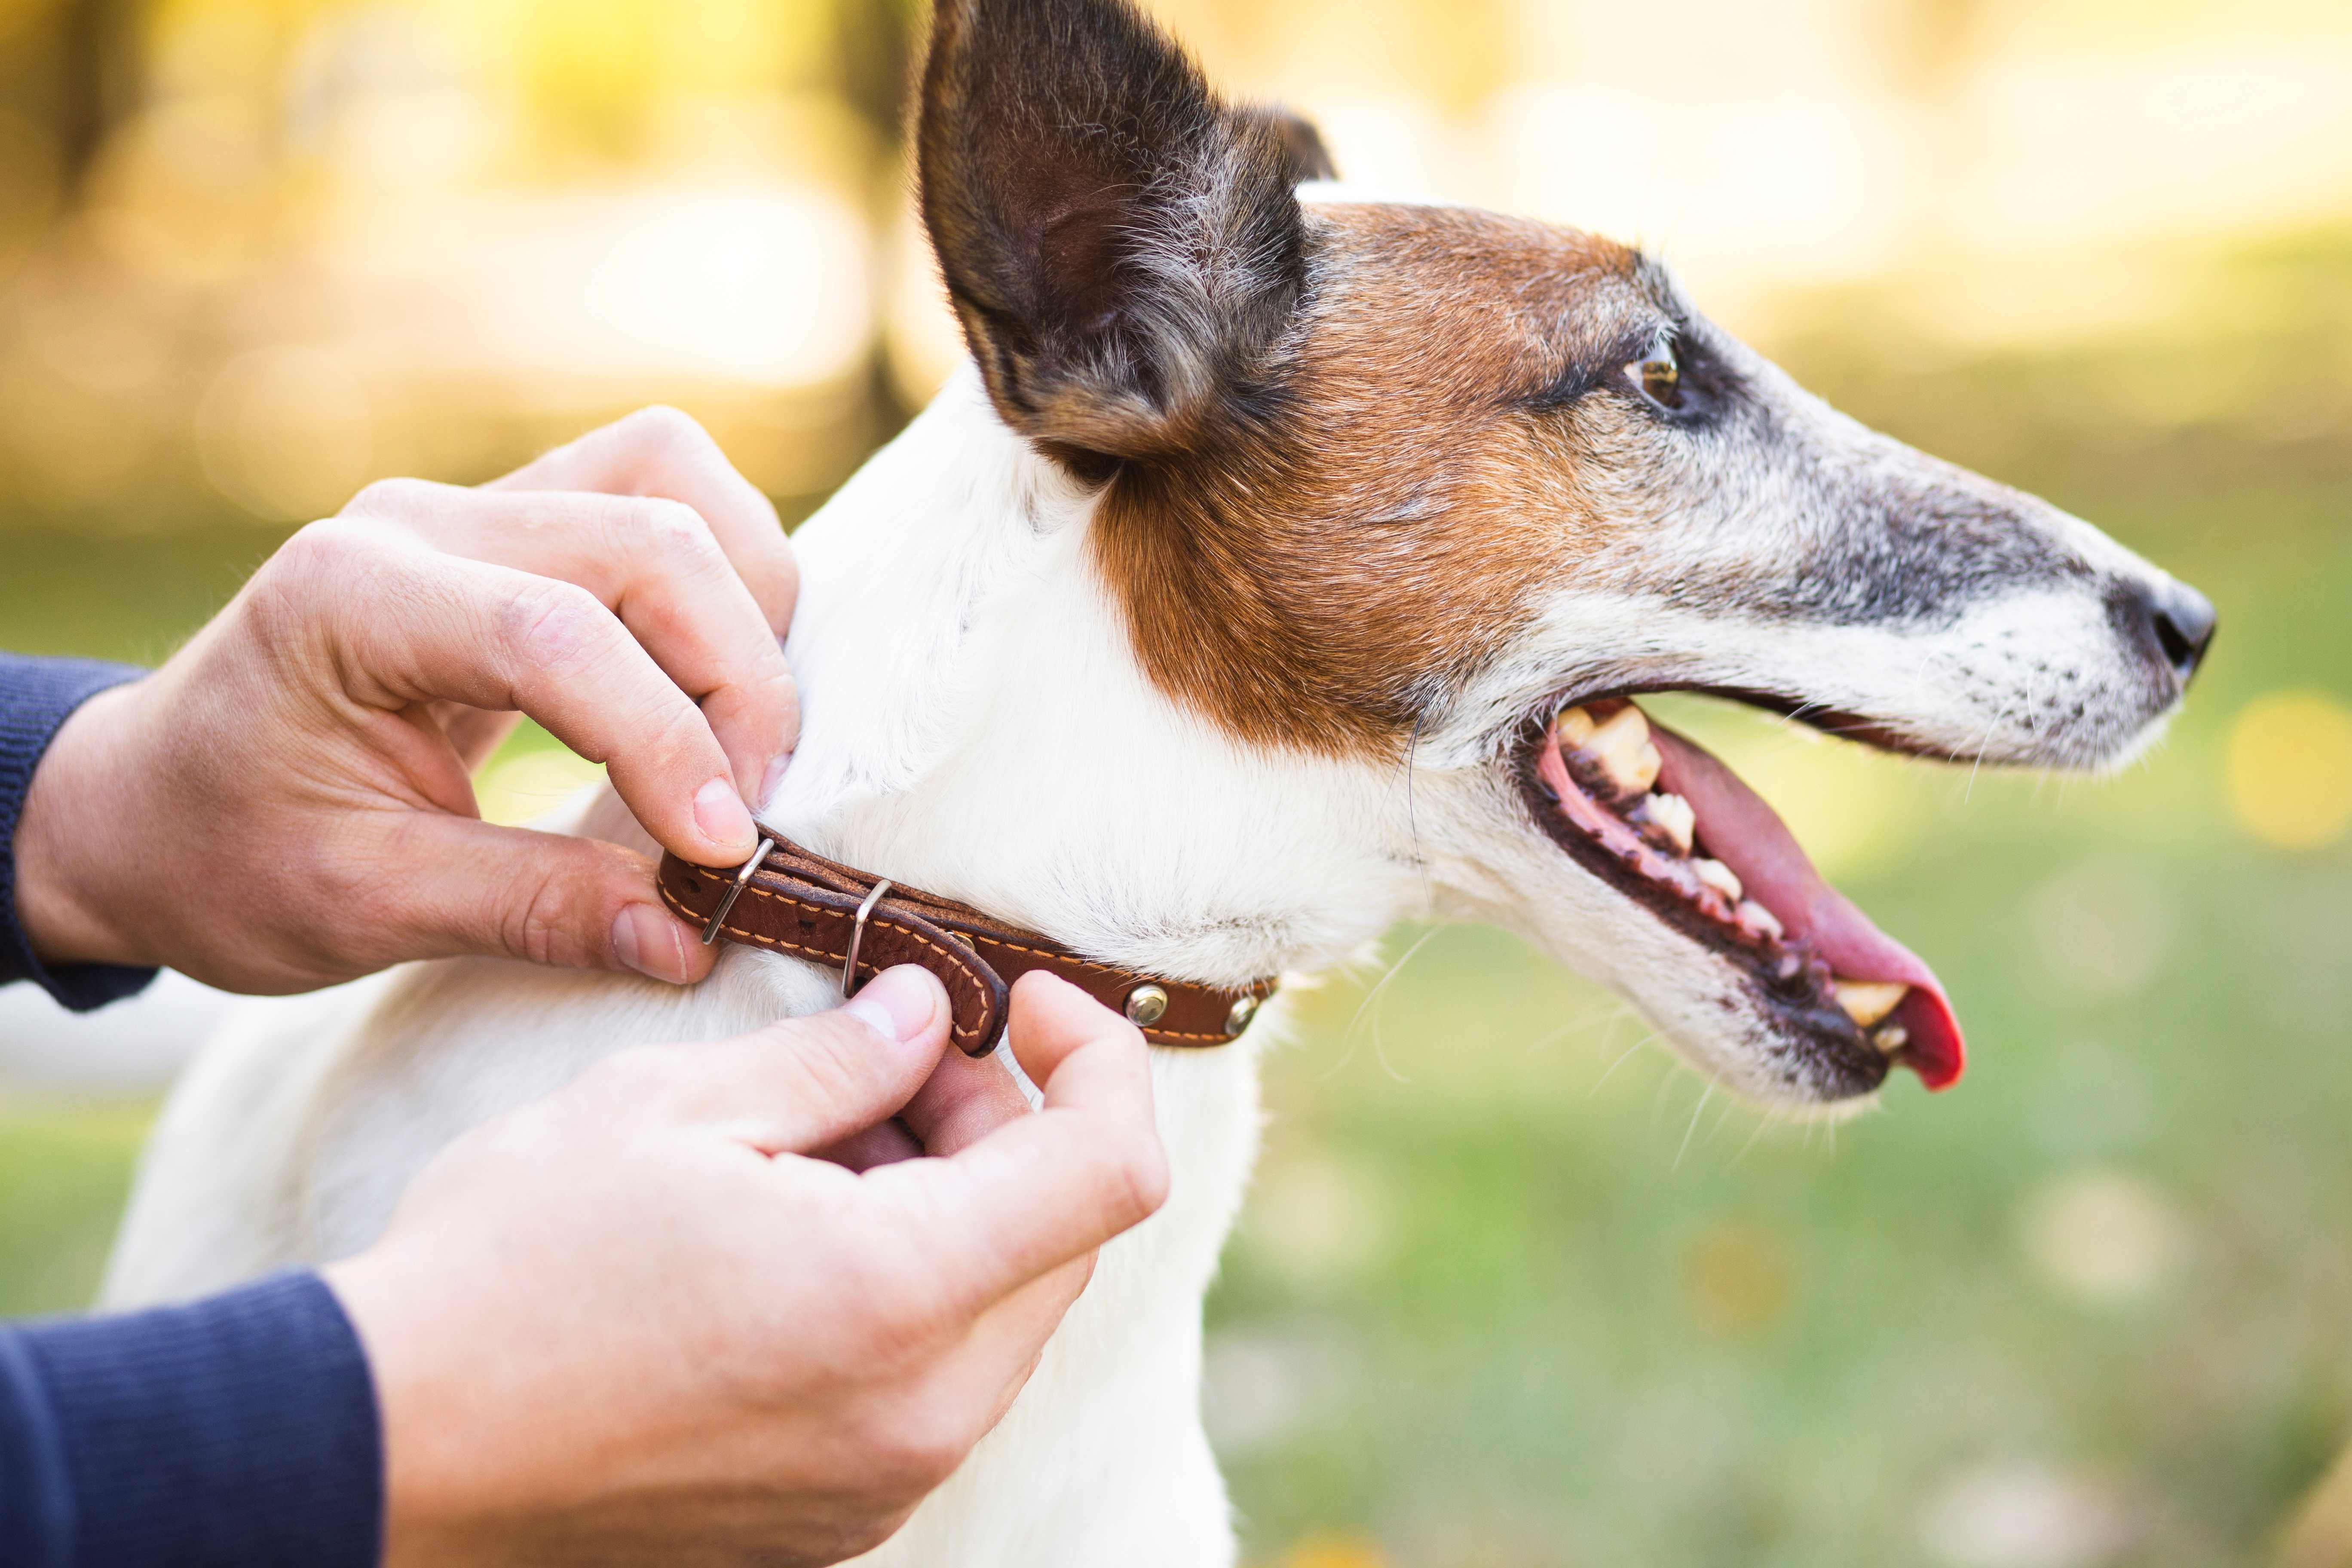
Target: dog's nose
(2181,620)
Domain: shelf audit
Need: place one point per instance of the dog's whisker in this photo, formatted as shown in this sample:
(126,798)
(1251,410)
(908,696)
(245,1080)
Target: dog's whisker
(1623,1057)
(1705,1094)
(1379,987)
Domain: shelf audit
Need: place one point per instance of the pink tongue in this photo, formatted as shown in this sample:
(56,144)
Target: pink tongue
(1747,836)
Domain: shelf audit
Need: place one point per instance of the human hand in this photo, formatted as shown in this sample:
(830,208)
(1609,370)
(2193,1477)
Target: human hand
(288,802)
(638,1322)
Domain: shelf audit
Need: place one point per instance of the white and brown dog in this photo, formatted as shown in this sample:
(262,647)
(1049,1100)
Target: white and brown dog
(1283,569)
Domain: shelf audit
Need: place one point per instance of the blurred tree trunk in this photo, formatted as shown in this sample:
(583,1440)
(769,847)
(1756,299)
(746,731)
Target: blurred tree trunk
(97,84)
(874,53)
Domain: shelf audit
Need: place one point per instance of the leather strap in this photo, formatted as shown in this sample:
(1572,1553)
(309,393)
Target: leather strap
(803,904)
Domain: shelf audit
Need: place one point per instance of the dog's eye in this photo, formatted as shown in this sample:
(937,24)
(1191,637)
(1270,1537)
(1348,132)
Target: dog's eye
(1659,377)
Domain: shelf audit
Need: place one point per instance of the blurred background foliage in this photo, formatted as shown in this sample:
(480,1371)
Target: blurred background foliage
(1514,1289)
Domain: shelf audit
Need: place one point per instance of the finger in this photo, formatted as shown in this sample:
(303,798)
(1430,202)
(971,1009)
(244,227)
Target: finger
(812,1083)
(1005,1340)
(662,452)
(467,887)
(655,564)
(998,1353)
(886,1143)
(965,1098)
(962,1101)
(1043,1189)
(443,628)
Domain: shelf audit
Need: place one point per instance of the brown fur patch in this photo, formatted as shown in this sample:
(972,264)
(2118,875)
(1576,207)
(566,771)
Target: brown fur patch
(1317,574)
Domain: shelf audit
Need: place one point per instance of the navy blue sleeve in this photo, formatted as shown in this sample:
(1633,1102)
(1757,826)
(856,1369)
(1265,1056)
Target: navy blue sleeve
(36,695)
(241,1431)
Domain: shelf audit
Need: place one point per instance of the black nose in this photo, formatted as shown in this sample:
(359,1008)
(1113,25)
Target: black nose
(2181,620)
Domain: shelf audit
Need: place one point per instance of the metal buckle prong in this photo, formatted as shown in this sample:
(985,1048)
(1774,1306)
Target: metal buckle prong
(858,938)
(735,891)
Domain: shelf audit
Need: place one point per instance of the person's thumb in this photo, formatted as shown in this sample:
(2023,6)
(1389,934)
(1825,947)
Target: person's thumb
(805,1084)
(511,892)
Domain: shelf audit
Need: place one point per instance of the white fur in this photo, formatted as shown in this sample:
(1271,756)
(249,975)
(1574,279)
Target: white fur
(973,725)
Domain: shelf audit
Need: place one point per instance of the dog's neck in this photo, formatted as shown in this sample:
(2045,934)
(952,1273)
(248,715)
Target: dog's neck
(975,724)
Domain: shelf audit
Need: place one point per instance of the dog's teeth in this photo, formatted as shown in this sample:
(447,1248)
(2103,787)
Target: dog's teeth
(1892,1039)
(1764,920)
(1673,817)
(1867,1002)
(1573,728)
(1626,754)
(1722,878)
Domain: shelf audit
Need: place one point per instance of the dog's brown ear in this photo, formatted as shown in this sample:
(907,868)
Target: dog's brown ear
(1122,247)
(1302,142)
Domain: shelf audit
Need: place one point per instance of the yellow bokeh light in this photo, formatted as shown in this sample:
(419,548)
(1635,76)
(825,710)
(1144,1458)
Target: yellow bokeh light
(2291,769)
(1334,1551)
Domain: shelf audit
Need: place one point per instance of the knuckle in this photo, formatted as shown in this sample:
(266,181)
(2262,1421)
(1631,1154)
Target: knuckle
(391,498)
(659,428)
(317,546)
(542,924)
(673,528)
(554,625)
(303,573)
(672,733)
(1150,1184)
(1134,1182)
(924,1447)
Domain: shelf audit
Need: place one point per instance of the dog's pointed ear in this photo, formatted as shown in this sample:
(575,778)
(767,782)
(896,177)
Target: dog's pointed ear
(1122,247)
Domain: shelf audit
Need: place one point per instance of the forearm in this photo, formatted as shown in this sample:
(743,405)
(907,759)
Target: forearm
(242,1429)
(48,934)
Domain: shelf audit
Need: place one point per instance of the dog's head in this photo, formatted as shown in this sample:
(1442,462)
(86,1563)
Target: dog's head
(1436,488)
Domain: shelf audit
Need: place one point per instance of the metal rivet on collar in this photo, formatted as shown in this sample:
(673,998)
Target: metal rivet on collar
(1144,1004)
(1244,1009)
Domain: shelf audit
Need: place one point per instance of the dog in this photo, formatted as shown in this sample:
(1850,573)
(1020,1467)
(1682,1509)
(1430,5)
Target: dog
(1280,567)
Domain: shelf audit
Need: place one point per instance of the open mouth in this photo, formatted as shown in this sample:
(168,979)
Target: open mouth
(1662,820)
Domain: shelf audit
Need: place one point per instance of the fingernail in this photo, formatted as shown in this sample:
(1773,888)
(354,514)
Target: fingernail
(649,941)
(899,1004)
(773,778)
(719,811)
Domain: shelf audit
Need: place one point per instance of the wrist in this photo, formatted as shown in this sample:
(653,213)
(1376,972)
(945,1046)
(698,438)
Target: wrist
(429,1517)
(71,843)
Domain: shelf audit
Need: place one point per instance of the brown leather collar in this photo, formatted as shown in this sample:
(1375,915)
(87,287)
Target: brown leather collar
(791,900)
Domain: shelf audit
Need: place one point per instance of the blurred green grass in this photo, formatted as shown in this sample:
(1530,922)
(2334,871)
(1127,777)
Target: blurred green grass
(65,1170)
(1514,1289)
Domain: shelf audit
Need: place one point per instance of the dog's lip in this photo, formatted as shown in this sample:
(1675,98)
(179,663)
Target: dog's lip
(1747,834)
(1824,935)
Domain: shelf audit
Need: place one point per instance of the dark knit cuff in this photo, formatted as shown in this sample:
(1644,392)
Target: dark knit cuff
(240,1430)
(37,697)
